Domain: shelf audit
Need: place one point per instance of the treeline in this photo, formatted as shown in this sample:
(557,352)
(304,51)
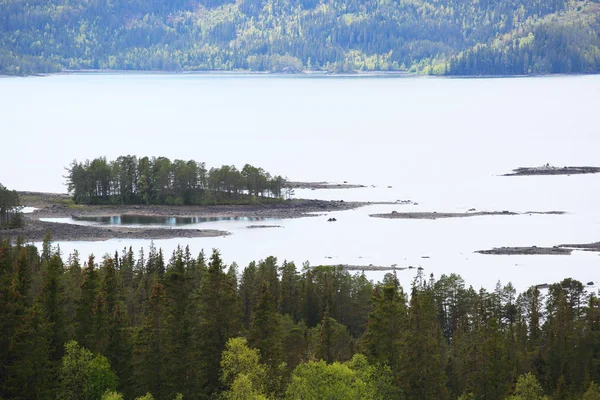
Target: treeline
(129,180)
(125,326)
(274,35)
(10,208)
(564,44)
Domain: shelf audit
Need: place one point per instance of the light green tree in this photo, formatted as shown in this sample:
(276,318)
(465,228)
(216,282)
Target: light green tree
(319,380)
(593,392)
(528,388)
(84,375)
(241,371)
(111,395)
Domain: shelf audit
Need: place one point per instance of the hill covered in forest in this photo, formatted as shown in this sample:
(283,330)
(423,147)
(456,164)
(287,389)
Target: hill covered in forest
(455,37)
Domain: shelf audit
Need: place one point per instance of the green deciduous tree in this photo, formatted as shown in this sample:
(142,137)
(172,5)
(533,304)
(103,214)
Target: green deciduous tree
(84,375)
(527,388)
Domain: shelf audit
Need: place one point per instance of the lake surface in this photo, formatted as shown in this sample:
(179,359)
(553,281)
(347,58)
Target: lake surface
(440,142)
(150,220)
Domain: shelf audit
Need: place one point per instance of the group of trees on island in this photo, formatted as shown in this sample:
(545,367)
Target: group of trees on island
(294,35)
(10,208)
(127,327)
(132,180)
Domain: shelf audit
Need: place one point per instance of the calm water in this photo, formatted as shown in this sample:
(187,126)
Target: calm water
(149,220)
(440,142)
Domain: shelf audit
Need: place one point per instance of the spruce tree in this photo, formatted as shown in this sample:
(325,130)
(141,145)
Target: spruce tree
(218,319)
(149,351)
(85,305)
(265,330)
(52,303)
(385,333)
(424,353)
(179,372)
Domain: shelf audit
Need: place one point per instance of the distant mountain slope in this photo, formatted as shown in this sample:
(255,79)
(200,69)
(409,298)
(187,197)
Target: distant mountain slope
(564,42)
(287,35)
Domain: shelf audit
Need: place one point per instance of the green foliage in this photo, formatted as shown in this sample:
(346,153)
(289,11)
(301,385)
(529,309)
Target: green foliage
(592,393)
(564,43)
(147,396)
(112,396)
(10,209)
(320,380)
(382,341)
(241,371)
(528,388)
(84,375)
(292,35)
(129,180)
(218,317)
(424,349)
(172,328)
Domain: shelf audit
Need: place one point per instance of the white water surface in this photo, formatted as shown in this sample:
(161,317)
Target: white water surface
(440,142)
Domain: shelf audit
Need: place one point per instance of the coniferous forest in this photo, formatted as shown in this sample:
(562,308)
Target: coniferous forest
(156,326)
(129,180)
(456,37)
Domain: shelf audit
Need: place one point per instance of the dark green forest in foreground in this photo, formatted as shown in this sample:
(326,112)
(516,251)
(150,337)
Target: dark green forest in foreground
(127,326)
(458,37)
(144,180)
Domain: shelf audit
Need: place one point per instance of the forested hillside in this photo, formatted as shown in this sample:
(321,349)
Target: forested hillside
(432,36)
(127,326)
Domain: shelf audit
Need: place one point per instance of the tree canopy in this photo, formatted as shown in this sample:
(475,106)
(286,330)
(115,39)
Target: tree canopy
(132,180)
(125,327)
(10,207)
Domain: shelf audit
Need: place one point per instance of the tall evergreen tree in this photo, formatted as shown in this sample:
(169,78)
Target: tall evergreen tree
(149,352)
(424,352)
(218,319)
(382,341)
(52,304)
(85,305)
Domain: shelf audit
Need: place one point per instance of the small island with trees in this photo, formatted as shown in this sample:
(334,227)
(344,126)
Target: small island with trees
(157,187)
(160,181)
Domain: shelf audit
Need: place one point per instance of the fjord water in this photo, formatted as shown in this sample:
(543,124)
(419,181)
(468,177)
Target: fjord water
(440,142)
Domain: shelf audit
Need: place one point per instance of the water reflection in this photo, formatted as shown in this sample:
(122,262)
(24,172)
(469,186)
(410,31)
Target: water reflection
(159,220)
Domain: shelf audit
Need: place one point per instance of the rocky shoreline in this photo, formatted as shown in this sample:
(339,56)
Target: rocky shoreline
(563,249)
(370,267)
(35,231)
(439,215)
(551,170)
(52,205)
(323,185)
(585,247)
(532,250)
